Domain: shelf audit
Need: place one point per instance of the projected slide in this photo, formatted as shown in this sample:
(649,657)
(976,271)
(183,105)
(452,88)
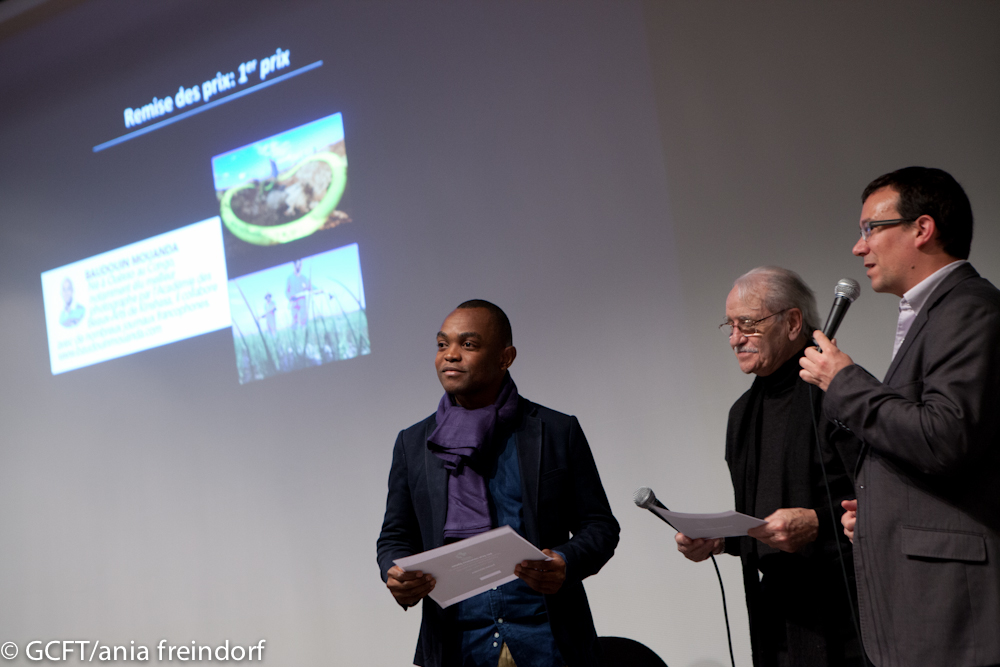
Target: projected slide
(143,295)
(306,313)
(285,187)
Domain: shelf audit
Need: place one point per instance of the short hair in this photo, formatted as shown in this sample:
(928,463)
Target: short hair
(933,192)
(780,289)
(500,321)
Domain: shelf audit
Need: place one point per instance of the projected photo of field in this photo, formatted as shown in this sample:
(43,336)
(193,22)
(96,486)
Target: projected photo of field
(306,313)
(285,187)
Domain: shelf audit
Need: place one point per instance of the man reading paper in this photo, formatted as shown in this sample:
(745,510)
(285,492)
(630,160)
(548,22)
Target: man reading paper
(799,609)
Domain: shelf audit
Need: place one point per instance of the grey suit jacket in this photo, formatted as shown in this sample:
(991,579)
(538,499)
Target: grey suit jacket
(927,539)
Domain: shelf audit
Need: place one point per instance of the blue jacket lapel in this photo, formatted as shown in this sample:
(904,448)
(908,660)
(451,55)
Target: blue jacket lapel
(437,488)
(529,457)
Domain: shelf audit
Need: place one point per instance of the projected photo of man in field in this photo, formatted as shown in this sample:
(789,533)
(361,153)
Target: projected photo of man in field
(298,290)
(325,320)
(72,312)
(270,314)
(284,187)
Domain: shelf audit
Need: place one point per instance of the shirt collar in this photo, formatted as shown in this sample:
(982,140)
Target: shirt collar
(917,296)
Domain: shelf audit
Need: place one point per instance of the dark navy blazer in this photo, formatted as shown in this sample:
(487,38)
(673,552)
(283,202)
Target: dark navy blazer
(562,496)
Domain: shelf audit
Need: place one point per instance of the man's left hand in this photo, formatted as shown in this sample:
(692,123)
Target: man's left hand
(788,529)
(818,368)
(544,576)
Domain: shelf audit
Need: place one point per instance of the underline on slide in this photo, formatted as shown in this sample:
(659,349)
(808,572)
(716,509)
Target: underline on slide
(205,107)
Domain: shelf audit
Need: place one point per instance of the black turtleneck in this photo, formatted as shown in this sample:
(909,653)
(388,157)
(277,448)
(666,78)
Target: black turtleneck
(777,418)
(775,463)
(772,455)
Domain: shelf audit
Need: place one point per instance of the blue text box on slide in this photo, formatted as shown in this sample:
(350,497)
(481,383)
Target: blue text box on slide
(143,295)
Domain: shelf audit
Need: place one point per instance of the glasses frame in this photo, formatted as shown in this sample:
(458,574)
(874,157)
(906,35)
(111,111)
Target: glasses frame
(748,324)
(867,227)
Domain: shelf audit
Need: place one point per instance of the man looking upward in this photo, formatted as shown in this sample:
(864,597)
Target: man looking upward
(487,458)
(926,524)
(799,607)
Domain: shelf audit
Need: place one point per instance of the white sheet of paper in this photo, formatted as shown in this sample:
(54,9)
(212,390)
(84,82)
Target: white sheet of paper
(473,565)
(721,524)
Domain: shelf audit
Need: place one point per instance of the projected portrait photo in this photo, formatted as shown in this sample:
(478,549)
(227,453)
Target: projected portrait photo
(284,187)
(306,313)
(73,311)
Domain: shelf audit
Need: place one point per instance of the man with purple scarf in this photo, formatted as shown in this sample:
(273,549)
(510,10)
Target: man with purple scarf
(488,458)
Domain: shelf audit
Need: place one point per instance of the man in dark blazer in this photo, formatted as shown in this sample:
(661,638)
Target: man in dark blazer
(926,523)
(489,457)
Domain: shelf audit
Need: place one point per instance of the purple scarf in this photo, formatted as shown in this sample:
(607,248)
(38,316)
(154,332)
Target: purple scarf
(459,436)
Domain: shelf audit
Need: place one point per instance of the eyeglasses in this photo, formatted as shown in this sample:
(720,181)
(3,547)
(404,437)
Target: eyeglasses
(867,227)
(746,326)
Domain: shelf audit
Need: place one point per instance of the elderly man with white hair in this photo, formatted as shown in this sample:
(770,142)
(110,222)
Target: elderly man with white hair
(797,598)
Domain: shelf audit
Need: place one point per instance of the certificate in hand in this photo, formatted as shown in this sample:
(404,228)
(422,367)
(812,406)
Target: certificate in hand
(722,524)
(471,566)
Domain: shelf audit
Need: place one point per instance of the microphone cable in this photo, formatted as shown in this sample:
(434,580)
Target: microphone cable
(845,293)
(646,499)
(725,612)
(833,516)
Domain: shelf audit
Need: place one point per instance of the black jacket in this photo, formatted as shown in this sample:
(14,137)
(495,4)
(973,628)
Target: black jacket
(776,464)
(561,493)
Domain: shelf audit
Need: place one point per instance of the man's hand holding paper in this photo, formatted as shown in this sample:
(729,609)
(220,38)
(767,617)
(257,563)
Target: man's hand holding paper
(544,576)
(408,588)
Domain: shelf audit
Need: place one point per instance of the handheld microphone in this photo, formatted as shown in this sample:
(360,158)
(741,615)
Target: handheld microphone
(646,499)
(846,291)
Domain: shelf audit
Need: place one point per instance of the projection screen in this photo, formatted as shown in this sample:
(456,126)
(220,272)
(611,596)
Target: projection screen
(231,230)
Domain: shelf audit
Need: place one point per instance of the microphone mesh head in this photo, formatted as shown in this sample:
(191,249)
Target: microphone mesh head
(643,496)
(847,288)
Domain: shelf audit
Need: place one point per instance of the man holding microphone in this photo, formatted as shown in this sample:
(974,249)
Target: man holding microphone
(926,523)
